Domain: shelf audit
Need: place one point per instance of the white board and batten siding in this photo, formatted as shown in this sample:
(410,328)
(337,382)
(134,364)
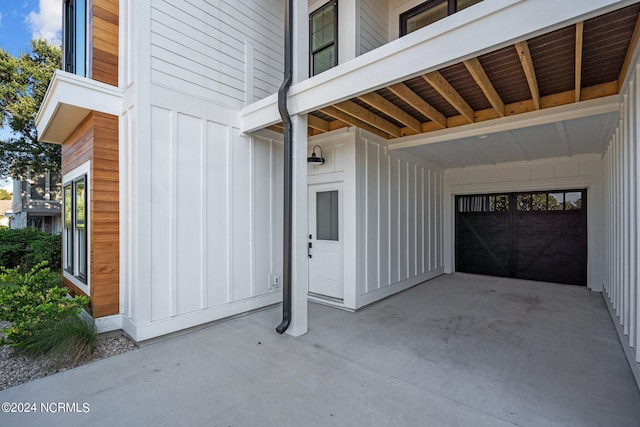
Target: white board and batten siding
(622,217)
(399,220)
(392,214)
(205,202)
(208,49)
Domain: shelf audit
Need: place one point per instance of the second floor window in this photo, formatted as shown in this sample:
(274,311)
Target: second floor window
(74,38)
(430,12)
(323,37)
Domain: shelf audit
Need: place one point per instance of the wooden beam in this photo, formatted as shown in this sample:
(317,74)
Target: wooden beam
(410,97)
(317,123)
(444,88)
(482,80)
(369,117)
(381,104)
(578,71)
(527,65)
(627,59)
(353,121)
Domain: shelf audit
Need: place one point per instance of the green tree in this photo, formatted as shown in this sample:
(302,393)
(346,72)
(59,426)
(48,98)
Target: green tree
(4,194)
(23,84)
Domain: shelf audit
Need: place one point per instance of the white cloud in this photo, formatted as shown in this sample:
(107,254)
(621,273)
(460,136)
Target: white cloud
(46,22)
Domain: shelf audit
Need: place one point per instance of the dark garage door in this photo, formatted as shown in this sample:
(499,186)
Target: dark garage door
(534,235)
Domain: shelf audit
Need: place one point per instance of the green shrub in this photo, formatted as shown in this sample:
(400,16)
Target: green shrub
(72,338)
(36,305)
(27,247)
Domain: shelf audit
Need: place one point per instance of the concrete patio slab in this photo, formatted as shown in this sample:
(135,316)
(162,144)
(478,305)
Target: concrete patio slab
(460,350)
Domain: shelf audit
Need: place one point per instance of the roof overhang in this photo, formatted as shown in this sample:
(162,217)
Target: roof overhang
(69,99)
(459,37)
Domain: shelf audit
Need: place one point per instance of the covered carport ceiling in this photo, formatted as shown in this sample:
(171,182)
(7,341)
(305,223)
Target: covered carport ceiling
(571,67)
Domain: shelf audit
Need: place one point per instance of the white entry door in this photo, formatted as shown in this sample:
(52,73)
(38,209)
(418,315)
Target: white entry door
(325,241)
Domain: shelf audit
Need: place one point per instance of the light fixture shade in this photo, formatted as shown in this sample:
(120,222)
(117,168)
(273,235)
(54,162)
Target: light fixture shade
(316,160)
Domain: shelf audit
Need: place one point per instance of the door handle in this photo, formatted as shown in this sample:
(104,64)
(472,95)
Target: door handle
(309,250)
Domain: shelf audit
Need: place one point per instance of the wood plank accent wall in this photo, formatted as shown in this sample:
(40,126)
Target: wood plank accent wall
(104,41)
(96,139)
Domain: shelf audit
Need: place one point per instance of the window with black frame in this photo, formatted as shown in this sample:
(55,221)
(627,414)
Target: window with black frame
(429,12)
(75,228)
(74,37)
(323,38)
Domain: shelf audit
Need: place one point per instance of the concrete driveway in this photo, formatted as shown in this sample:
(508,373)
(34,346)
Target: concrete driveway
(459,350)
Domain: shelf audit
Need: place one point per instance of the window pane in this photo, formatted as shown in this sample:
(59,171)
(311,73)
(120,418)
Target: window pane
(81,36)
(500,203)
(68,206)
(556,201)
(426,17)
(323,60)
(463,4)
(523,202)
(37,187)
(68,249)
(327,215)
(80,203)
(573,200)
(82,252)
(539,202)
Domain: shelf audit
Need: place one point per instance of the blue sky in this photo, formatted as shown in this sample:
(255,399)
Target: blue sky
(22,20)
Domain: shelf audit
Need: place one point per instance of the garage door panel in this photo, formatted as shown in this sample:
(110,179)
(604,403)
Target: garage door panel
(484,240)
(526,241)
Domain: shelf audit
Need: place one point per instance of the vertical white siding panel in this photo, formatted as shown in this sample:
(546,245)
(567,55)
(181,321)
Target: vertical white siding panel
(385,219)
(218,156)
(433,236)
(241,205)
(371,209)
(633,236)
(394,204)
(404,219)
(262,208)
(411,223)
(626,226)
(160,159)
(189,177)
(420,221)
(635,200)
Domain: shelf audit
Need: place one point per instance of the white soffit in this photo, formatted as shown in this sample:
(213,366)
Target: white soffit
(565,138)
(69,99)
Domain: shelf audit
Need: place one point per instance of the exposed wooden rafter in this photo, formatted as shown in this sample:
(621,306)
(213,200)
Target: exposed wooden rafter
(381,104)
(527,65)
(442,86)
(578,61)
(318,123)
(353,121)
(410,97)
(482,80)
(366,116)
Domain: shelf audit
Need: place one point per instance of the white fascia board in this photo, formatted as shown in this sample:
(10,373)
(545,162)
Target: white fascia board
(485,27)
(608,104)
(69,99)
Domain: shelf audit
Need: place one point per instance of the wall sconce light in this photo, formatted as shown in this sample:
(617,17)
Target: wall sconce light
(315,159)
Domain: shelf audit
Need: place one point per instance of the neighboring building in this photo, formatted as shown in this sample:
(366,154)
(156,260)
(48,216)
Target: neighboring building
(37,203)
(495,137)
(5,213)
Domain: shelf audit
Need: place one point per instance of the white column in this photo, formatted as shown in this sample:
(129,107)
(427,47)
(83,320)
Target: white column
(300,218)
(300,215)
